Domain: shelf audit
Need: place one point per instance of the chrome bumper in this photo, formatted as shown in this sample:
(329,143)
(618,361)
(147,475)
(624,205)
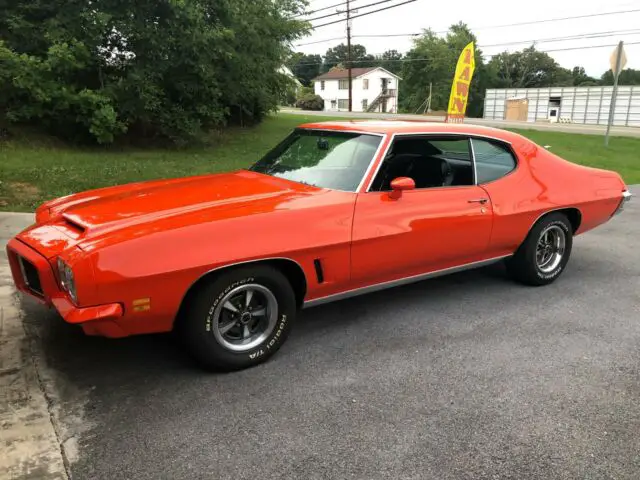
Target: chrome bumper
(626,197)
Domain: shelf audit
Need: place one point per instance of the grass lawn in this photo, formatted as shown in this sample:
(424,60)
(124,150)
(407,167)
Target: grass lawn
(35,169)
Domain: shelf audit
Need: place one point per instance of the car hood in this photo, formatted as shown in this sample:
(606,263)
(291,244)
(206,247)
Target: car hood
(88,215)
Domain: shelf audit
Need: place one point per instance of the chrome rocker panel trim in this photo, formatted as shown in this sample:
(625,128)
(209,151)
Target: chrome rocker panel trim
(401,281)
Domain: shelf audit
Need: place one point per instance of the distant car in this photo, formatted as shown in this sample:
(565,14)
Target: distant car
(335,210)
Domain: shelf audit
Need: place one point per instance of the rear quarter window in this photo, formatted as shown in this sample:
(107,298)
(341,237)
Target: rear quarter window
(493,160)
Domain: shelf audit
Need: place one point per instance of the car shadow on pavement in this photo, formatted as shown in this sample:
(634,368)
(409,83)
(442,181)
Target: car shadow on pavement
(79,358)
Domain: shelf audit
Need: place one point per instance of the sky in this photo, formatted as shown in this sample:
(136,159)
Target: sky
(482,17)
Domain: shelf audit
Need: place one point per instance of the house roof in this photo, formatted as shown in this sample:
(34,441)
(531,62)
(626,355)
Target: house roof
(286,71)
(338,74)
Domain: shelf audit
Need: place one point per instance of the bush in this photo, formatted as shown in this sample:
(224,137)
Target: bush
(310,102)
(302,91)
(93,71)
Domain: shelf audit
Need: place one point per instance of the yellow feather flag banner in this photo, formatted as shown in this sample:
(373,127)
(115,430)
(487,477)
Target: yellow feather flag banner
(461,83)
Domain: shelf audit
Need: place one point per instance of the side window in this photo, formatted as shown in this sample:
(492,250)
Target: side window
(493,160)
(429,161)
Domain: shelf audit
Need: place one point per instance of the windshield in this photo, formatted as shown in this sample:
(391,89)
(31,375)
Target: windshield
(325,159)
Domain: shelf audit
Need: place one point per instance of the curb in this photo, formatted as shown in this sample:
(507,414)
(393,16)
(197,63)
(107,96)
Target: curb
(30,446)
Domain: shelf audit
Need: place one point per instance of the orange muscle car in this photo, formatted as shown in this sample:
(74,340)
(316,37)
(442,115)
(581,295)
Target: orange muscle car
(336,209)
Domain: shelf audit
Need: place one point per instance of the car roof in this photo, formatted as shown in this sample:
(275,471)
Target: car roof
(407,126)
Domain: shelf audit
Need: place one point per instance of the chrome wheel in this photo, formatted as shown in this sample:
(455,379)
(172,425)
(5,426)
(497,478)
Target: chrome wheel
(550,248)
(245,317)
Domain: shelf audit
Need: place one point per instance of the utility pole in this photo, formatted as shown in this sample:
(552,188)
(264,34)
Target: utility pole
(349,53)
(616,67)
(348,11)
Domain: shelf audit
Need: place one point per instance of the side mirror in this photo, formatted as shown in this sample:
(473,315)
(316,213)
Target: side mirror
(400,184)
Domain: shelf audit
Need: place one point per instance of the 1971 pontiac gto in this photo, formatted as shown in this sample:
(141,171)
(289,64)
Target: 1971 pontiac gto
(336,209)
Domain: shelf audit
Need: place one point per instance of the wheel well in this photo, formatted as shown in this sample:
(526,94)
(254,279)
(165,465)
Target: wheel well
(574,216)
(294,273)
(292,270)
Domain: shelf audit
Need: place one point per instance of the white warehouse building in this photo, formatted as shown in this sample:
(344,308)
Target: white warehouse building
(587,105)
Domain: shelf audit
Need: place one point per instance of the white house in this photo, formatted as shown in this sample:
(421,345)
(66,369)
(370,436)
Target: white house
(374,89)
(284,70)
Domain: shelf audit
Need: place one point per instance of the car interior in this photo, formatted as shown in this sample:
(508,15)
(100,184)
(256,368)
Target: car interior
(430,162)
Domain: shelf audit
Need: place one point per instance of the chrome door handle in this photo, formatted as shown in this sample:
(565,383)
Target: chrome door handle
(478,200)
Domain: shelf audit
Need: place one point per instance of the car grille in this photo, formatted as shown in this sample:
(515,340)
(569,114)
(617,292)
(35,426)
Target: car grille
(30,275)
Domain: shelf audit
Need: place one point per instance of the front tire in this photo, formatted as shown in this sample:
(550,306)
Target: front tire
(240,318)
(544,254)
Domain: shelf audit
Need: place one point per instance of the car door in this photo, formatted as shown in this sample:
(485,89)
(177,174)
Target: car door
(426,229)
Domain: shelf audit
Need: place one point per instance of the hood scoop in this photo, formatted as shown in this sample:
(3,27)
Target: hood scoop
(74,223)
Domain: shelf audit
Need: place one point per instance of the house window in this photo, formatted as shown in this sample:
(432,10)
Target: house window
(321,84)
(365,84)
(343,104)
(343,84)
(365,105)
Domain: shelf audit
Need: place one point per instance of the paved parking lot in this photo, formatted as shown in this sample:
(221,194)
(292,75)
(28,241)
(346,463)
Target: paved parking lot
(466,376)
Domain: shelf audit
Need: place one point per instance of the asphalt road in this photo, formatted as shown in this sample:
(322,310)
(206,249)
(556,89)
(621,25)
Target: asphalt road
(556,127)
(464,377)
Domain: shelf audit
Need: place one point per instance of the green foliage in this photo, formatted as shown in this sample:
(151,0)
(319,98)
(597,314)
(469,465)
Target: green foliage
(339,55)
(305,67)
(441,56)
(581,79)
(528,68)
(310,102)
(302,91)
(389,60)
(628,76)
(170,69)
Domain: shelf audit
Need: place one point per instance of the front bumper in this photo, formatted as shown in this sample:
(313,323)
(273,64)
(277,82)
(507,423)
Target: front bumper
(33,274)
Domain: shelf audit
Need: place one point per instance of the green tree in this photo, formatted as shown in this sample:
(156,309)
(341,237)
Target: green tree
(339,55)
(432,60)
(528,68)
(305,67)
(580,77)
(173,69)
(628,76)
(389,60)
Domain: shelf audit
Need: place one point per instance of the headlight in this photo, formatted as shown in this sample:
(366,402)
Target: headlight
(67,281)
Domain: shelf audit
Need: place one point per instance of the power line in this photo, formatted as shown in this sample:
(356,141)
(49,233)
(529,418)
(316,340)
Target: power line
(558,39)
(320,9)
(365,14)
(486,27)
(402,60)
(532,22)
(319,41)
(341,12)
(568,38)
(548,40)
(578,48)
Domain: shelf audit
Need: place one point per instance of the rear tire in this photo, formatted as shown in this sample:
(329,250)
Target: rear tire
(240,318)
(544,254)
